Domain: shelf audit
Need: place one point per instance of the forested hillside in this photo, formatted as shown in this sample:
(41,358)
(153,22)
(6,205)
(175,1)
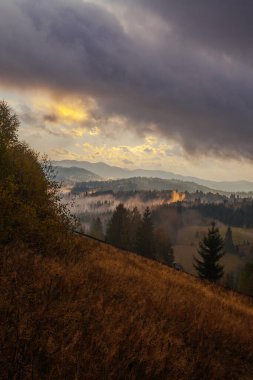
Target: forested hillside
(113,172)
(140,183)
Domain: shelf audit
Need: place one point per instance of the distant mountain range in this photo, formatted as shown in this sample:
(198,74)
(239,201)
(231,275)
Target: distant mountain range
(73,175)
(113,172)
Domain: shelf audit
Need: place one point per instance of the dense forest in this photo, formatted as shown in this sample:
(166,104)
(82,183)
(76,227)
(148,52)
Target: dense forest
(236,216)
(127,229)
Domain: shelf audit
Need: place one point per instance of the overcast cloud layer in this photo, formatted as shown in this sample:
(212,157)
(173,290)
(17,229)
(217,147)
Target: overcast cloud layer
(183,69)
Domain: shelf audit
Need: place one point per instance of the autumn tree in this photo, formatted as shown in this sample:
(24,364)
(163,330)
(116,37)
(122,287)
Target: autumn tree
(31,211)
(35,232)
(211,250)
(9,125)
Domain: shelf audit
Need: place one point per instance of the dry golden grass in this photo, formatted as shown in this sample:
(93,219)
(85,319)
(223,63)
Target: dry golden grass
(108,314)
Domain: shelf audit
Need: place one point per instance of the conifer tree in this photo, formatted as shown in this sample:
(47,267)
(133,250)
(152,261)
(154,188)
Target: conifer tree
(163,248)
(210,251)
(145,238)
(134,226)
(118,228)
(228,241)
(96,229)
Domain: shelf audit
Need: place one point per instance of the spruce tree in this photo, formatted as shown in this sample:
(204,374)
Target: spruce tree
(145,239)
(96,229)
(118,228)
(211,250)
(134,226)
(228,242)
(163,248)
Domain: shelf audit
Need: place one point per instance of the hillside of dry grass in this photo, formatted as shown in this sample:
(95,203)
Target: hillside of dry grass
(107,314)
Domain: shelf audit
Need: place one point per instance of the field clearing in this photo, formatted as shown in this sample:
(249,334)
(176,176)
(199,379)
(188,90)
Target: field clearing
(184,256)
(188,241)
(192,234)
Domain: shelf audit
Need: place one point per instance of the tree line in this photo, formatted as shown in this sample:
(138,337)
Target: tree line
(128,229)
(239,216)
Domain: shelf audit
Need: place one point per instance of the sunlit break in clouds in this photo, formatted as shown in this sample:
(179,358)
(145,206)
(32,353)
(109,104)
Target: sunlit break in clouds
(164,84)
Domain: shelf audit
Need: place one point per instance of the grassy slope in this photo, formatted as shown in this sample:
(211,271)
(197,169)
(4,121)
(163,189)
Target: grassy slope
(108,314)
(148,321)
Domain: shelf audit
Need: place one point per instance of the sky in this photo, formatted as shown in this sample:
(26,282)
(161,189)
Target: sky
(164,84)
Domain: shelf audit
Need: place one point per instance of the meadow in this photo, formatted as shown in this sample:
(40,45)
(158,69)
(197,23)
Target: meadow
(191,234)
(110,314)
(188,240)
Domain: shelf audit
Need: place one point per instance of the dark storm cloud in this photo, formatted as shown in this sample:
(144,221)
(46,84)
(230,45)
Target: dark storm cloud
(222,24)
(73,46)
(191,82)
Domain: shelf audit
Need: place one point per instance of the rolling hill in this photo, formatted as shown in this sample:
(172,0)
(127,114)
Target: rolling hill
(72,175)
(104,313)
(113,172)
(156,323)
(140,184)
(99,168)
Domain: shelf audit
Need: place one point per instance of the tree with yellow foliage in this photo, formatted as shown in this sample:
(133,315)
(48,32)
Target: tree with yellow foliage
(30,206)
